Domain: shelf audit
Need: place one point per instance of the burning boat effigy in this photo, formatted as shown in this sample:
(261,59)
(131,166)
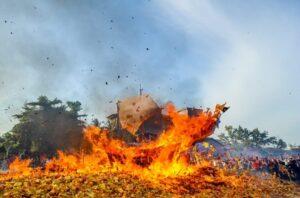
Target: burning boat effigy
(162,136)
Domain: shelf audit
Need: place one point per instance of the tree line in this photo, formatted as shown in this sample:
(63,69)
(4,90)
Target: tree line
(250,138)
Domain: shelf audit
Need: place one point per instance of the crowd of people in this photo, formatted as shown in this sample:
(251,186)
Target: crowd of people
(285,167)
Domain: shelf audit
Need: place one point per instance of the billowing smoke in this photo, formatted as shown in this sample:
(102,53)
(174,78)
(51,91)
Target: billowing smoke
(95,52)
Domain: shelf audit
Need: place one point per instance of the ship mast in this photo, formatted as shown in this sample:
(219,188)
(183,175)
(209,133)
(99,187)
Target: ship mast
(141,90)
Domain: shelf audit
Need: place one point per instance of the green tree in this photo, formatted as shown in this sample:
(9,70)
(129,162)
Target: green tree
(253,138)
(281,144)
(44,127)
(236,136)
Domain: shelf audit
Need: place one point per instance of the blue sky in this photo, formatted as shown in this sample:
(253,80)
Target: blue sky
(195,53)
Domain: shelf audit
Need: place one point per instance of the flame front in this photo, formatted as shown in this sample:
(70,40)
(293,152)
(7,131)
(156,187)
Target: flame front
(168,155)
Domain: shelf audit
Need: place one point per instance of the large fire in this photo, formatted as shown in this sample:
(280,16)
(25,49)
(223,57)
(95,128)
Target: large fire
(162,167)
(168,155)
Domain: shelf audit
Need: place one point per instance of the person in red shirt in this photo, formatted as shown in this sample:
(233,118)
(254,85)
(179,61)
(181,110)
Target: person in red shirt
(256,165)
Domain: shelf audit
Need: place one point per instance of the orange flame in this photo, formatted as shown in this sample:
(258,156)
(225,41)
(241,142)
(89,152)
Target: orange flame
(20,167)
(168,155)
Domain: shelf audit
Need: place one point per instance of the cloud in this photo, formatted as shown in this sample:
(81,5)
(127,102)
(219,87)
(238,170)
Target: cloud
(199,53)
(70,49)
(253,68)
